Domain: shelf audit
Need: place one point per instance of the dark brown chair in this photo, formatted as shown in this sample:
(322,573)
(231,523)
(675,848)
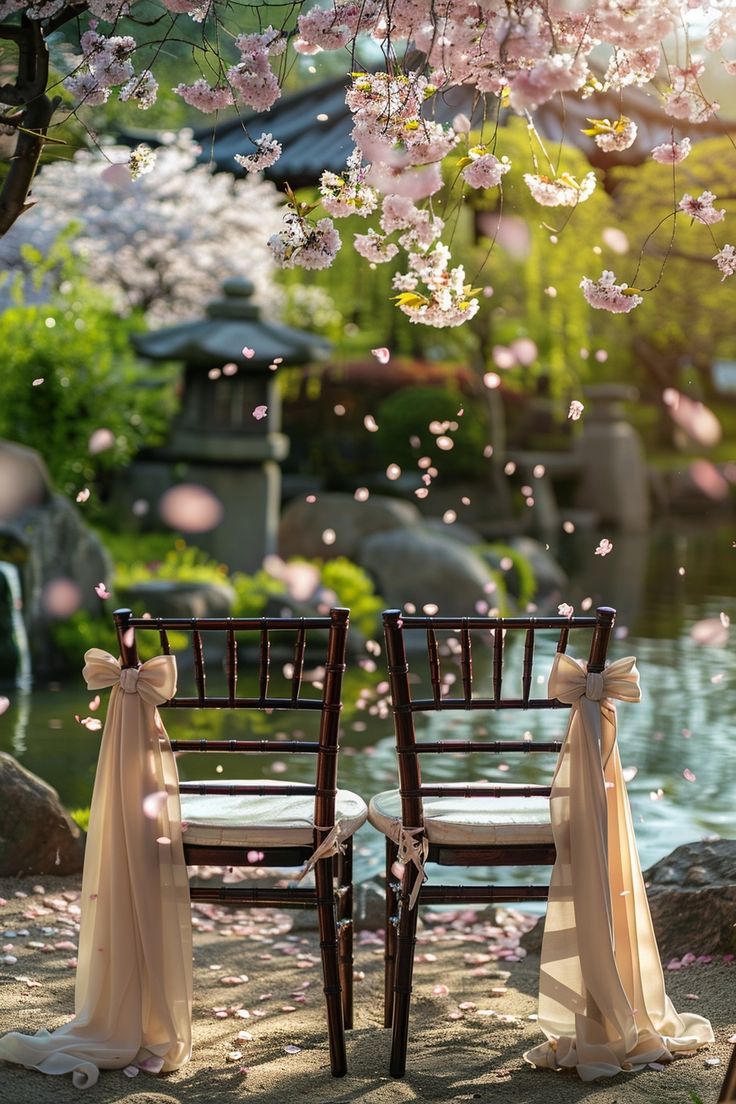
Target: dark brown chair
(461,824)
(247,823)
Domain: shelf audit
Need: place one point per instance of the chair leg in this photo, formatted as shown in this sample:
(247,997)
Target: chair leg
(345,929)
(389,947)
(406,942)
(330,965)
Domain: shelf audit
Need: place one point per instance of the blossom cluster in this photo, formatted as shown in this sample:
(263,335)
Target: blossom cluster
(268,151)
(446,299)
(106,64)
(304,243)
(606,294)
(251,82)
(348,194)
(524,54)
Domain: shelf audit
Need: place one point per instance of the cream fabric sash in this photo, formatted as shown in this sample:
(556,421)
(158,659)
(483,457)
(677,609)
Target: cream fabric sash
(134,978)
(602,1002)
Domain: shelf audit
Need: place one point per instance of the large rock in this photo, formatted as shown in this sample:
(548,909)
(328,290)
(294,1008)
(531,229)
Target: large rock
(169,598)
(60,559)
(421,566)
(692,896)
(304,523)
(37,835)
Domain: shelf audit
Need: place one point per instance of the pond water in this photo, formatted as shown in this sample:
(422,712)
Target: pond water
(661,585)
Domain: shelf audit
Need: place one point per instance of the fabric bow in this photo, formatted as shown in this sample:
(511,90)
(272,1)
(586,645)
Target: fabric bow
(154,681)
(569,680)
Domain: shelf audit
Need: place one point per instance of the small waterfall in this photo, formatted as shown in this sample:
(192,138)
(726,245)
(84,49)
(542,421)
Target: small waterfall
(15,664)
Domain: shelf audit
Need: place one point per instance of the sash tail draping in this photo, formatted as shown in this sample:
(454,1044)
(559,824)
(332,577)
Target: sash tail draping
(133,992)
(602,1002)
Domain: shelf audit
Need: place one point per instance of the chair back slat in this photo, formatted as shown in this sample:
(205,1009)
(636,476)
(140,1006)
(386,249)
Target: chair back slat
(526,674)
(199,674)
(263,665)
(435,673)
(164,641)
(231,665)
(497,662)
(466,663)
(298,667)
(564,636)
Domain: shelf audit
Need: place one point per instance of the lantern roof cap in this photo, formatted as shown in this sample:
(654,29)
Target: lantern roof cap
(233,323)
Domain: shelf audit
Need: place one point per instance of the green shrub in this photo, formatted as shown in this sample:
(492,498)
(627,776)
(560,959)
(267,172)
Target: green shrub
(353,588)
(80,817)
(409,412)
(90,381)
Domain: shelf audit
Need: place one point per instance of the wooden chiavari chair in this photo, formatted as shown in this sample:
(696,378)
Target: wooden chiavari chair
(473,825)
(254,822)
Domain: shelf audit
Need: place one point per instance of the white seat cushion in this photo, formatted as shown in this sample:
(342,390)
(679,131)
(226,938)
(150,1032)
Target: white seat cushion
(475,821)
(273,820)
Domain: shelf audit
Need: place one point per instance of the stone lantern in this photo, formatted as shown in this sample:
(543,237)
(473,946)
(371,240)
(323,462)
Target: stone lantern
(215,439)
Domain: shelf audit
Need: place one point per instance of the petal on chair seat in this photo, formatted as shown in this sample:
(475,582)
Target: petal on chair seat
(474,821)
(273,820)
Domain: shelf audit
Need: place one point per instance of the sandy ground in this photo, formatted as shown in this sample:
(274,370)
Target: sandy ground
(279,1004)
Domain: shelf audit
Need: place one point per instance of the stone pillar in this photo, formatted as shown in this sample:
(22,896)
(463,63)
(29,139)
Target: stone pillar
(614,480)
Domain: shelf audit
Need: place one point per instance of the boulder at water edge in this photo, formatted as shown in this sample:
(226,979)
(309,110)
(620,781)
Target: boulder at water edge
(692,897)
(303,524)
(422,566)
(37,835)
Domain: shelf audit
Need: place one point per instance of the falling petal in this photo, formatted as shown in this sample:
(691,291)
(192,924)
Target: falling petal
(190,508)
(83,495)
(248,353)
(688,775)
(153,803)
(291,1049)
(382,355)
(4,704)
(100,441)
(101,591)
(710,631)
(260,412)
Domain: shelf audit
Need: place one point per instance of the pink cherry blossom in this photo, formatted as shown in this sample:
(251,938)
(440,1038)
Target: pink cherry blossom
(725,258)
(604,547)
(702,208)
(485,170)
(672,153)
(562,191)
(247,352)
(101,591)
(267,153)
(606,294)
(260,412)
(382,355)
(576,410)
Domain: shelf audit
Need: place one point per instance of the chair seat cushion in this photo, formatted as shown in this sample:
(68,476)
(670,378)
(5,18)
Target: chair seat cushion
(272,820)
(475,821)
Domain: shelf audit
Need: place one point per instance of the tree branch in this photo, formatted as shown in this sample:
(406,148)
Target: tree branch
(28,92)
